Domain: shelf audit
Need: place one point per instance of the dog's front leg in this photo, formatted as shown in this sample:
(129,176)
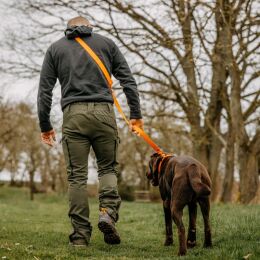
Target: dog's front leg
(168,222)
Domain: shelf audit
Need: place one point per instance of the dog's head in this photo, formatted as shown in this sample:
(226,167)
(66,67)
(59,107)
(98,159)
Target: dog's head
(152,173)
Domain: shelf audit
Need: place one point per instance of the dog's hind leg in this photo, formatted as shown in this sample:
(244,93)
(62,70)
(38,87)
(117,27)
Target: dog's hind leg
(205,208)
(177,212)
(168,222)
(191,240)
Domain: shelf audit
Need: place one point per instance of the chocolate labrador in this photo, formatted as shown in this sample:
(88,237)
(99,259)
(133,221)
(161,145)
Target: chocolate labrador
(182,181)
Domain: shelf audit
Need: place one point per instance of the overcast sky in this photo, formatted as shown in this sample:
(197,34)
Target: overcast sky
(13,88)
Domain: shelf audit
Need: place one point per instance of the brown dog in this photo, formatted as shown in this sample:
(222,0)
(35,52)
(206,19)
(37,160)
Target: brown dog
(182,181)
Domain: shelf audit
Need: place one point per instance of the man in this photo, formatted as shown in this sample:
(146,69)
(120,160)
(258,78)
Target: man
(88,120)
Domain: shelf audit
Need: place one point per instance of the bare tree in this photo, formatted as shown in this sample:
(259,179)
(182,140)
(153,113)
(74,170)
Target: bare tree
(21,145)
(198,58)
(239,23)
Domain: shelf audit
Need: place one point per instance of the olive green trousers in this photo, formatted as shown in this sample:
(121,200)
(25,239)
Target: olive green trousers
(85,125)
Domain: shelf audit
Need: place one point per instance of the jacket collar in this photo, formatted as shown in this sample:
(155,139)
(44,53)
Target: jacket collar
(72,32)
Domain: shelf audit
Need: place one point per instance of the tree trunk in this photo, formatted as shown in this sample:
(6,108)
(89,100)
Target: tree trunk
(226,195)
(200,152)
(209,156)
(53,180)
(214,157)
(31,185)
(249,180)
(143,180)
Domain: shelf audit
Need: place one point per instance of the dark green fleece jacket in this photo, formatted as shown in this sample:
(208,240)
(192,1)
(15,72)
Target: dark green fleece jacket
(80,78)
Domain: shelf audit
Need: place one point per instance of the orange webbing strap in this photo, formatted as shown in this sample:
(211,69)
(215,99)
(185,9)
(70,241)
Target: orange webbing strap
(110,82)
(96,59)
(164,156)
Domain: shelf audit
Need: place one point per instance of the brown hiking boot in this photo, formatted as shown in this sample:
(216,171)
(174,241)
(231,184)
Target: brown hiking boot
(107,226)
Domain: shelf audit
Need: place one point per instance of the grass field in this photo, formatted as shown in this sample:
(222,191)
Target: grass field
(39,230)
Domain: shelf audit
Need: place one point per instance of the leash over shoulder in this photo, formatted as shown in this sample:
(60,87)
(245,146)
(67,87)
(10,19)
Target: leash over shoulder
(103,69)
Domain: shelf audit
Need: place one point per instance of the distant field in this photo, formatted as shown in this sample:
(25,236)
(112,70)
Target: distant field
(39,230)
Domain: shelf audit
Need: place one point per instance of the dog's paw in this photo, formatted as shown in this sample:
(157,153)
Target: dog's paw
(191,244)
(168,242)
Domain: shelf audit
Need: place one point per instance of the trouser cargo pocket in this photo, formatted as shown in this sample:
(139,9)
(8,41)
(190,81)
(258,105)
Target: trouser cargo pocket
(117,141)
(67,155)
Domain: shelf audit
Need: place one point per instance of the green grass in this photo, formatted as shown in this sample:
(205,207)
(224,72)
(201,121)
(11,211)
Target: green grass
(39,230)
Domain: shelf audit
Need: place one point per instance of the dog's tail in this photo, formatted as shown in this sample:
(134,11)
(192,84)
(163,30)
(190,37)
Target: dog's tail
(200,188)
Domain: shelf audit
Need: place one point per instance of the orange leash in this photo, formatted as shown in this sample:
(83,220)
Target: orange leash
(110,83)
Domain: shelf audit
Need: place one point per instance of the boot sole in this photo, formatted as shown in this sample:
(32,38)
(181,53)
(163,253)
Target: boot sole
(78,246)
(110,234)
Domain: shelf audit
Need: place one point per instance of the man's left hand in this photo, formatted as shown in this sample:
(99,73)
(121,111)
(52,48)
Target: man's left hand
(139,123)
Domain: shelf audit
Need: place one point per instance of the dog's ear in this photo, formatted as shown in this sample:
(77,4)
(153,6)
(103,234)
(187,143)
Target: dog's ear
(154,155)
(156,161)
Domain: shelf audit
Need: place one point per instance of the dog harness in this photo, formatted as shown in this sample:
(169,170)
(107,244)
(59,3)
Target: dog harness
(164,156)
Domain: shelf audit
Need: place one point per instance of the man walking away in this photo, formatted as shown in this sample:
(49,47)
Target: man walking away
(88,121)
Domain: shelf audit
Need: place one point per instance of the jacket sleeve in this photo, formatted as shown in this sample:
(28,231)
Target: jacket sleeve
(48,79)
(121,71)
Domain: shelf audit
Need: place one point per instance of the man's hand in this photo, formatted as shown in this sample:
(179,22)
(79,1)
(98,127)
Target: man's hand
(48,137)
(139,123)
